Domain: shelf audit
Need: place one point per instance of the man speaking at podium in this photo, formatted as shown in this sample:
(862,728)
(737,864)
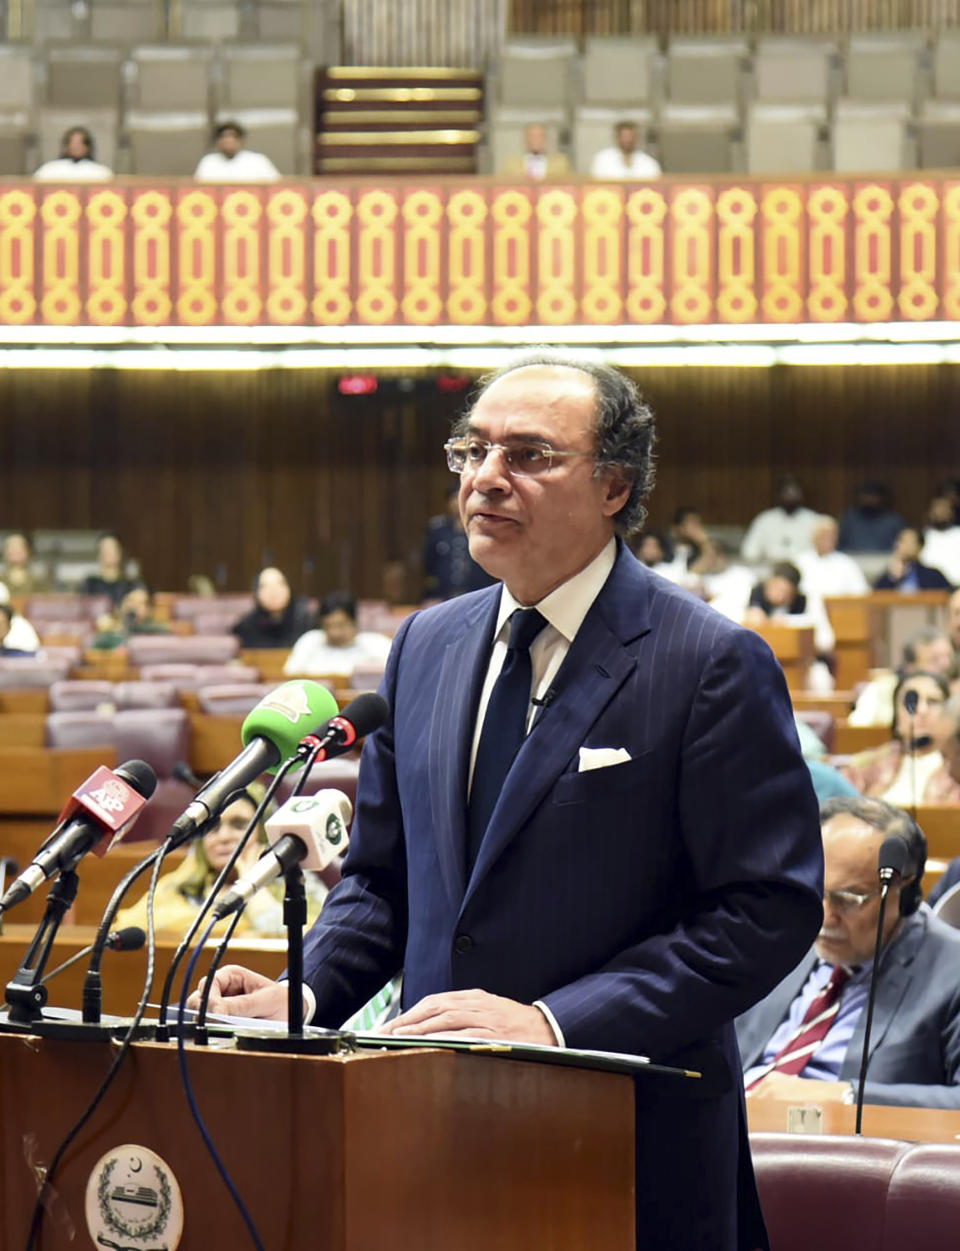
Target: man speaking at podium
(587,821)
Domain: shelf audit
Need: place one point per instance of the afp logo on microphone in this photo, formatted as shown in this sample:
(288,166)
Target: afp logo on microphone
(336,832)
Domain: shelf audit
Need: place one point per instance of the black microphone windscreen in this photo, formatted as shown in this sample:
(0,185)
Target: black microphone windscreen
(894,855)
(366,713)
(130,938)
(9,865)
(911,702)
(139,775)
(183,773)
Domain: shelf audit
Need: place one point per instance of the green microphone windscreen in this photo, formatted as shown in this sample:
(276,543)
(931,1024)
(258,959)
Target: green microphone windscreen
(287,714)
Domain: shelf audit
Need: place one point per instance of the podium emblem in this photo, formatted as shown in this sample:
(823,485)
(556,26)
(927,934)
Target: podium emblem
(133,1202)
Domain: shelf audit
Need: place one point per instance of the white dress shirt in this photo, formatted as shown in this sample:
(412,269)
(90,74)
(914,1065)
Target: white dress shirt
(65,169)
(777,535)
(246,166)
(611,163)
(941,550)
(833,574)
(312,654)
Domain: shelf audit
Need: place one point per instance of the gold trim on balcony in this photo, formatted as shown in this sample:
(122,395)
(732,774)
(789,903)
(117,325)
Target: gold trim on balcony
(417,73)
(391,118)
(399,95)
(396,164)
(388,138)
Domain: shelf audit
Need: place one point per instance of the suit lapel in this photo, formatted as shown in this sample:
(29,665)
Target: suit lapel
(892,984)
(593,670)
(462,672)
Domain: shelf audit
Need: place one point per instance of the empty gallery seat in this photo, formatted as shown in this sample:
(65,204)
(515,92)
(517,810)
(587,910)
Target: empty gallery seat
(190,649)
(231,699)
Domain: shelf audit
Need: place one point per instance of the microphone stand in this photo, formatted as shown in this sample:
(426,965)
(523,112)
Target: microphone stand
(871,999)
(317,1042)
(26,993)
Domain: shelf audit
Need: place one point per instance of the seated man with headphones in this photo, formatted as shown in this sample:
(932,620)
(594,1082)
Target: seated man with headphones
(811,1026)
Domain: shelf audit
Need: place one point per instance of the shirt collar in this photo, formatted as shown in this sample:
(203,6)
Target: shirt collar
(566,607)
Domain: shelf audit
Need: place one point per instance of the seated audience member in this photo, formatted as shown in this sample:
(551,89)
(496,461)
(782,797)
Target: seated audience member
(180,893)
(17,635)
(76,162)
(111,578)
(201,584)
(20,574)
(231,161)
(779,533)
(823,570)
(338,646)
(904,572)
(688,535)
(953,620)
(947,738)
(654,549)
(828,782)
(725,585)
(908,770)
(624,158)
(928,651)
(778,597)
(536,161)
(810,1028)
(448,567)
(870,524)
(134,616)
(941,539)
(277,619)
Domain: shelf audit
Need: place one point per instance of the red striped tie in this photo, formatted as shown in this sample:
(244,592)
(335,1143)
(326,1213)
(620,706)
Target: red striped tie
(794,1056)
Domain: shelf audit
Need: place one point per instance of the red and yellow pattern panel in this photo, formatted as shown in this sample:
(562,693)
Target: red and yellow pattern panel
(406,252)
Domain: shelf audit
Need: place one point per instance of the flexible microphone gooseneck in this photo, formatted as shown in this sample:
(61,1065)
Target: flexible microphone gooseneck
(911,702)
(891,862)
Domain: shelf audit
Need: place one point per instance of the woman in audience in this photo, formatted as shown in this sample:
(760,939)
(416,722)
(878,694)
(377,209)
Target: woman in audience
(180,893)
(18,572)
(134,616)
(277,619)
(110,579)
(338,646)
(909,770)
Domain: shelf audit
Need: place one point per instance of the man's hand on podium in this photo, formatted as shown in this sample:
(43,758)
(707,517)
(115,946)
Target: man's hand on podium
(474,1014)
(241,992)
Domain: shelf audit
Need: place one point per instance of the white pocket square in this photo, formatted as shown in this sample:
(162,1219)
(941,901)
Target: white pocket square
(602,757)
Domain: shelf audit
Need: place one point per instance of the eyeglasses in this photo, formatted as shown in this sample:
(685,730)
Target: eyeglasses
(522,460)
(848,900)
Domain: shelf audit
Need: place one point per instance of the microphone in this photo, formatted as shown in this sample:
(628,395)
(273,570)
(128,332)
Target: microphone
(183,773)
(99,813)
(361,717)
(308,830)
(893,858)
(131,938)
(911,702)
(271,733)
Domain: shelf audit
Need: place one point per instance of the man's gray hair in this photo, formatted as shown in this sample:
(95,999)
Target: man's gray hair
(624,428)
(885,819)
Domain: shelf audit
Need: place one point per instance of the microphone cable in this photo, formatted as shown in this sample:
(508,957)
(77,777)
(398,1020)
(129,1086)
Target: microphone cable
(187,939)
(39,1208)
(189,1092)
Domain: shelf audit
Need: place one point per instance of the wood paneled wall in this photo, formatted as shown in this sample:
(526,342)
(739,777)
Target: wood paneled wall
(222,472)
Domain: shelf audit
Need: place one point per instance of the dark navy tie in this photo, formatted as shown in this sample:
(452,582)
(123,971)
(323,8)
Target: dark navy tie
(504,726)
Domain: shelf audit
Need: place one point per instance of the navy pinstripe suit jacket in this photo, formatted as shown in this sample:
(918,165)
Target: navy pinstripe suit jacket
(647,903)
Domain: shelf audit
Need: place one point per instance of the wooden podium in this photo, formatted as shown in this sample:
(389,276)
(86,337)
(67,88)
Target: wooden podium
(425,1150)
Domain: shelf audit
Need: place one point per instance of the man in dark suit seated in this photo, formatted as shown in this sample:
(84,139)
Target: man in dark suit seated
(810,1029)
(586,821)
